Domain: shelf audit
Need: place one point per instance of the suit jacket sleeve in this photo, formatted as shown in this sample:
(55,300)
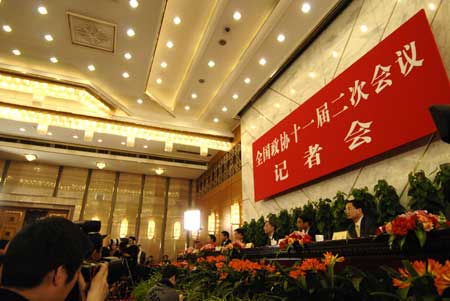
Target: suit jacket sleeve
(368,226)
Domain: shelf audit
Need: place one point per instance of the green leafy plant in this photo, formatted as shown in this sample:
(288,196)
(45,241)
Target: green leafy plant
(141,289)
(442,183)
(323,217)
(388,202)
(424,195)
(339,221)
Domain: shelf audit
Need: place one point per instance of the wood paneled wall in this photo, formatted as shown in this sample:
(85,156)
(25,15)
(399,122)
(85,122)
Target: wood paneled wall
(219,201)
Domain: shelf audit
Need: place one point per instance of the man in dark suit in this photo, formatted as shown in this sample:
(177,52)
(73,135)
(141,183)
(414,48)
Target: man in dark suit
(363,225)
(306,223)
(269,229)
(225,236)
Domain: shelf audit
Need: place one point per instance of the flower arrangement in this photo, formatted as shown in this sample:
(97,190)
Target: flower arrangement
(425,278)
(293,239)
(419,221)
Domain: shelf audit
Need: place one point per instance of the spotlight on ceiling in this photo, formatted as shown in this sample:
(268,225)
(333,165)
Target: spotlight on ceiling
(134,3)
(30,157)
(101,165)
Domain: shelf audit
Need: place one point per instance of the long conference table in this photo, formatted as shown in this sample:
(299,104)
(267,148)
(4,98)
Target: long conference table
(364,253)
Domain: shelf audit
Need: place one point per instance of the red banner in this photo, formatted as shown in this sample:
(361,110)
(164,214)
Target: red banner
(379,103)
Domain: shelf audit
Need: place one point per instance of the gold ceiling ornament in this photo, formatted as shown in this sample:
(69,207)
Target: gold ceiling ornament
(91,126)
(41,89)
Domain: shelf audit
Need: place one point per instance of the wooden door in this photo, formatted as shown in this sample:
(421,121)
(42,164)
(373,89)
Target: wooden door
(11,221)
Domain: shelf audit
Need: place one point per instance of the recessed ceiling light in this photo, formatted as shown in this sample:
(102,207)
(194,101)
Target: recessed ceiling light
(75,137)
(7,28)
(224,109)
(158,81)
(123,143)
(247,80)
(130,32)
(22,130)
(262,61)
(306,7)
(335,54)
(169,44)
(127,56)
(177,20)
(54,60)
(432,6)
(164,64)
(235,96)
(91,68)
(211,64)
(134,3)
(281,37)
(49,134)
(139,101)
(364,28)
(30,157)
(187,108)
(194,95)
(101,165)
(125,75)
(145,146)
(99,140)
(277,105)
(312,74)
(216,120)
(237,16)
(16,52)
(48,37)
(42,10)
(159,171)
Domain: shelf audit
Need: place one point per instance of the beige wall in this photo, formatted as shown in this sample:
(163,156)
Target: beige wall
(30,182)
(295,86)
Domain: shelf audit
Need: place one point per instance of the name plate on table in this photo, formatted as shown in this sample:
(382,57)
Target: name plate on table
(378,104)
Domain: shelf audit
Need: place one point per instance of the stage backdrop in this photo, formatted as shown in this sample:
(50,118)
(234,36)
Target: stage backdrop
(379,103)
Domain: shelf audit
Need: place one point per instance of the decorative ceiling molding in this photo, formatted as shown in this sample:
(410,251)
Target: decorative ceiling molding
(91,32)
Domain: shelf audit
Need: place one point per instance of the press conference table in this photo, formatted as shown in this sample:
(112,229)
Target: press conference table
(364,253)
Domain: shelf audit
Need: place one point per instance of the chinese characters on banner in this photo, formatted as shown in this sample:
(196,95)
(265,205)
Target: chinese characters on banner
(379,103)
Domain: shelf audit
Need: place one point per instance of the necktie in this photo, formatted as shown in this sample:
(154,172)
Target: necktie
(357,230)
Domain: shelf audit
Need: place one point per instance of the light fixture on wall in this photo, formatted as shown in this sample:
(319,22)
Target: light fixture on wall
(235,214)
(30,157)
(176,230)
(123,231)
(159,171)
(192,220)
(101,165)
(151,229)
(212,223)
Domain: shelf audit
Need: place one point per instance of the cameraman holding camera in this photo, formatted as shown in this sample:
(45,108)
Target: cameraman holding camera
(43,262)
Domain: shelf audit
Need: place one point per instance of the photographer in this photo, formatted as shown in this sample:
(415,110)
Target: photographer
(43,261)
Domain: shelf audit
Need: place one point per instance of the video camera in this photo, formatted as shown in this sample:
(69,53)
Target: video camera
(117,268)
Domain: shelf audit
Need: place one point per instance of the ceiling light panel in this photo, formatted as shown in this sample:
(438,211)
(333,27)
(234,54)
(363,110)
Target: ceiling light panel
(287,28)
(179,39)
(39,89)
(94,127)
(237,24)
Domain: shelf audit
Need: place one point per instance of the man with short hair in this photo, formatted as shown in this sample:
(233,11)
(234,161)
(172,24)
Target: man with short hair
(164,290)
(225,236)
(306,224)
(363,225)
(43,262)
(269,229)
